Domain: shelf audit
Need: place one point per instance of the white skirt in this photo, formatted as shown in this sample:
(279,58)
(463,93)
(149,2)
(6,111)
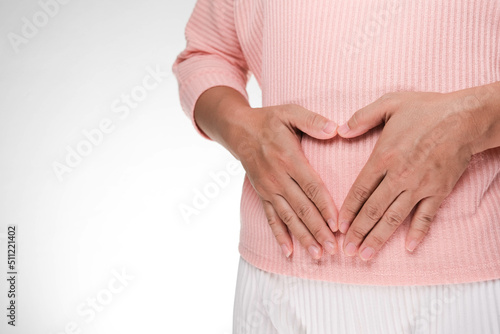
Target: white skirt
(269,303)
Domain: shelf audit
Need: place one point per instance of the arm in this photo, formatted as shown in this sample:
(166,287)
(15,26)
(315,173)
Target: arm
(212,56)
(212,75)
(267,142)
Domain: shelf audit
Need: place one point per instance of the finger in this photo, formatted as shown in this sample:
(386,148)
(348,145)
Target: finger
(279,228)
(366,118)
(296,226)
(314,188)
(310,216)
(421,221)
(314,124)
(366,182)
(370,214)
(391,220)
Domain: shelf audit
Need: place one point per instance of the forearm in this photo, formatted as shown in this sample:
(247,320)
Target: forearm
(219,113)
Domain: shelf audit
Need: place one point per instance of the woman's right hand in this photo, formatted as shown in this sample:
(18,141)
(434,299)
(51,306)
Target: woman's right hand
(267,142)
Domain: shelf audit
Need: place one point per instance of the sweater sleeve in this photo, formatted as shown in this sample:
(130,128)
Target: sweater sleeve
(212,56)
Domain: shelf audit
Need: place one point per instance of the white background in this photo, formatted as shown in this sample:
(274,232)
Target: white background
(118,210)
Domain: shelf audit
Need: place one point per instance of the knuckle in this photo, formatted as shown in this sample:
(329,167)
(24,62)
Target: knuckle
(304,211)
(372,212)
(315,229)
(358,233)
(421,152)
(387,155)
(312,189)
(425,218)
(287,217)
(275,122)
(313,119)
(360,193)
(351,211)
(422,229)
(259,190)
(354,119)
(289,156)
(322,207)
(283,160)
(280,111)
(423,223)
(377,240)
(405,171)
(279,235)
(304,238)
(273,179)
(393,219)
(273,222)
(262,186)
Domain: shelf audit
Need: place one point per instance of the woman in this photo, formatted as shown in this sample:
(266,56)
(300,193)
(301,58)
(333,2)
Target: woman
(415,164)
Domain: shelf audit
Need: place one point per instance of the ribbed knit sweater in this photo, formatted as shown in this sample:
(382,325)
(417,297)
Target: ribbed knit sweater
(335,57)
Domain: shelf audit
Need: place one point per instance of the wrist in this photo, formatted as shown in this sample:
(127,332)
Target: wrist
(235,126)
(219,112)
(485,115)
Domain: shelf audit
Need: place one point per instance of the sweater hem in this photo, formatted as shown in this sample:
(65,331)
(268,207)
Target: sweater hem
(290,268)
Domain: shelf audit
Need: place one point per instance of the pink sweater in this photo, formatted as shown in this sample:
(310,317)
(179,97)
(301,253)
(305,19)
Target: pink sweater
(334,57)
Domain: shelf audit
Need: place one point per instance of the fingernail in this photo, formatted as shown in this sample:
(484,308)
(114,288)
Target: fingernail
(344,227)
(286,250)
(344,129)
(367,253)
(330,127)
(350,250)
(330,247)
(412,245)
(314,251)
(332,224)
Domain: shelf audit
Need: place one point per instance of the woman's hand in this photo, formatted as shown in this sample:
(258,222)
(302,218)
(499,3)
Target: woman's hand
(292,193)
(267,142)
(424,148)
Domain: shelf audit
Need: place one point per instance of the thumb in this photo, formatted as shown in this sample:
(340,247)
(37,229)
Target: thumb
(311,123)
(363,120)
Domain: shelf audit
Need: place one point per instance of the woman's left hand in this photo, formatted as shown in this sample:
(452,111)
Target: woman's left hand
(425,146)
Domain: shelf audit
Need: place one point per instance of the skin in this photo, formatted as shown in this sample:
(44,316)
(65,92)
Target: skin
(426,145)
(267,142)
(415,170)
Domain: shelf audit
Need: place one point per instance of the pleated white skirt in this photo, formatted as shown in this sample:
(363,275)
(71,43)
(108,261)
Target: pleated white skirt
(268,303)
